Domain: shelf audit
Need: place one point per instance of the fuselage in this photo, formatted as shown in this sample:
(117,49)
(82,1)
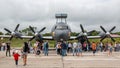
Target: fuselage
(61,31)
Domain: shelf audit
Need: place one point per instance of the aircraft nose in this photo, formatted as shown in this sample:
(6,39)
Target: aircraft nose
(62,35)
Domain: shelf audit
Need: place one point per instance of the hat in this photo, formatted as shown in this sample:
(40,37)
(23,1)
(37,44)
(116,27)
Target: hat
(16,51)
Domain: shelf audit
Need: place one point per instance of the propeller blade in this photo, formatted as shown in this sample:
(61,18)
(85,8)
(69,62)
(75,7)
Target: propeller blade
(11,38)
(42,29)
(112,38)
(90,32)
(103,29)
(16,27)
(32,29)
(7,30)
(77,37)
(82,28)
(112,29)
(32,38)
(40,39)
(87,39)
(103,38)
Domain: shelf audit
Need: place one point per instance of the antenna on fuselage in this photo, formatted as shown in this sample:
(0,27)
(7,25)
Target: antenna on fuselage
(61,18)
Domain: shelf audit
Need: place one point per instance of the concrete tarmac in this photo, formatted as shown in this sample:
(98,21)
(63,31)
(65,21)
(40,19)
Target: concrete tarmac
(101,60)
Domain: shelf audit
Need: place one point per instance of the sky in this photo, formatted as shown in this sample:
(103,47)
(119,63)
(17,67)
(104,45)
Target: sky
(41,13)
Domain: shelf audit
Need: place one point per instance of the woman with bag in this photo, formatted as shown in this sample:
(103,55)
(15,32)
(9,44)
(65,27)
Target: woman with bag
(25,51)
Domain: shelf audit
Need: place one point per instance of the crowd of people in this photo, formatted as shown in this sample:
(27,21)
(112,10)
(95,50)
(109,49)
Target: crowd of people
(77,48)
(5,47)
(63,48)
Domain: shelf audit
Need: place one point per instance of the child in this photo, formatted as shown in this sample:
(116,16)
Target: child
(16,57)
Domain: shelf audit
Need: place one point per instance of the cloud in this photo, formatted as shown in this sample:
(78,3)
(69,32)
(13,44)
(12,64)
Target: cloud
(40,13)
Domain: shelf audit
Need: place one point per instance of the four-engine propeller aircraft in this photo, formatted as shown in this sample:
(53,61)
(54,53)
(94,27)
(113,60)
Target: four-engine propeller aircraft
(60,30)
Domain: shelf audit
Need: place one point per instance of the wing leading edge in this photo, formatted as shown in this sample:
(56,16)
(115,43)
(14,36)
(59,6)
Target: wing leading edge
(27,37)
(50,37)
(94,37)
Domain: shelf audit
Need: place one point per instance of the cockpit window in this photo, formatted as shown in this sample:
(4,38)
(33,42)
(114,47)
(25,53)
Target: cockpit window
(62,27)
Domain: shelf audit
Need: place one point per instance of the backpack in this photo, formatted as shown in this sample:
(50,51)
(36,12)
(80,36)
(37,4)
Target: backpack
(46,45)
(26,49)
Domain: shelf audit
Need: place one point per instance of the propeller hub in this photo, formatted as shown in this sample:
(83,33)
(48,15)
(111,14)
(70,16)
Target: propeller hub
(85,34)
(13,33)
(108,33)
(36,34)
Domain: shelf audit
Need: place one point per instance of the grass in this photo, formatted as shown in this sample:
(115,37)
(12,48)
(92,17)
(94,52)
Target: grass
(19,43)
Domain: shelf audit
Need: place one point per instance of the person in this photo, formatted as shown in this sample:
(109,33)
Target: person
(0,46)
(110,49)
(30,46)
(63,48)
(58,46)
(66,48)
(115,46)
(79,49)
(94,48)
(74,48)
(35,47)
(38,49)
(8,48)
(106,47)
(85,46)
(3,46)
(101,46)
(25,51)
(45,47)
(69,47)
(16,57)
(119,46)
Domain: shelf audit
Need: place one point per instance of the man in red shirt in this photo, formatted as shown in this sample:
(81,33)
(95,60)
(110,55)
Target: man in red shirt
(16,57)
(94,48)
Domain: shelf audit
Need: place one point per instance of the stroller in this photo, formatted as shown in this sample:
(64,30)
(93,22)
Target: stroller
(38,52)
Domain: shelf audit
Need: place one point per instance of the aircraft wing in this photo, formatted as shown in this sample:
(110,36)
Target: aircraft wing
(5,36)
(72,37)
(44,37)
(8,36)
(47,38)
(95,37)
(50,37)
(27,37)
(115,35)
(89,37)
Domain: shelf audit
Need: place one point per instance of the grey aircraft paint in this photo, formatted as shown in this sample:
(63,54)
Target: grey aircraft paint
(61,30)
